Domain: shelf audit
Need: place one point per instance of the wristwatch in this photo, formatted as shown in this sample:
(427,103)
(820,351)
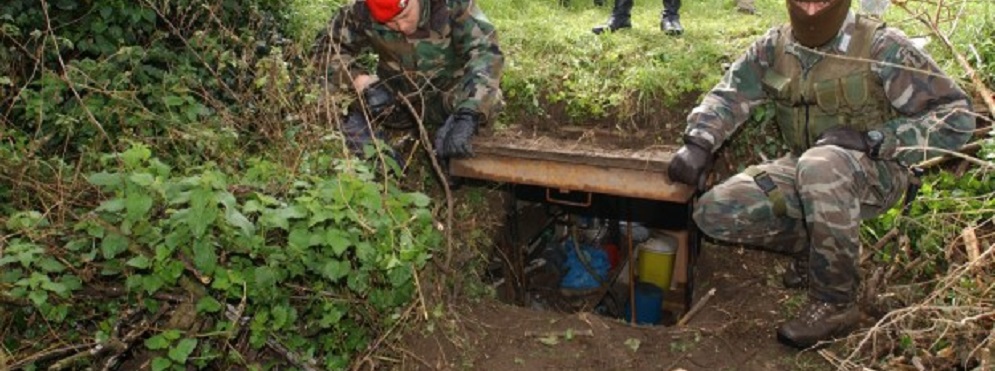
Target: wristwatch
(874,138)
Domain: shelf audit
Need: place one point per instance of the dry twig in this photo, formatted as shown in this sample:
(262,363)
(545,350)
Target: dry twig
(696,308)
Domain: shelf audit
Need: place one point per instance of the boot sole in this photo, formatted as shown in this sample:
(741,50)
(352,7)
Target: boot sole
(818,344)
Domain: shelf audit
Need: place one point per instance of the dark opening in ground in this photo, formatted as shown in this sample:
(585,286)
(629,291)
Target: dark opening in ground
(586,252)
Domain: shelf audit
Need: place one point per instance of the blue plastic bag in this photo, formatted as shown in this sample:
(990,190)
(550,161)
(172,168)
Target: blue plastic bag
(577,276)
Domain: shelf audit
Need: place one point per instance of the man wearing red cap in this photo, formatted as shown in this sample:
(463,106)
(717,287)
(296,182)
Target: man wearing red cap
(441,56)
(856,103)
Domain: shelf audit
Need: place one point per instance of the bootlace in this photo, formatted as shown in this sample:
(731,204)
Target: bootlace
(816,311)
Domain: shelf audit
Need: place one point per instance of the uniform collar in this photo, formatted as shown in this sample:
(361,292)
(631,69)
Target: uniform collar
(841,43)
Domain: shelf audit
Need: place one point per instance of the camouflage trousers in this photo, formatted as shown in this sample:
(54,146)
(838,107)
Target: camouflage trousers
(826,192)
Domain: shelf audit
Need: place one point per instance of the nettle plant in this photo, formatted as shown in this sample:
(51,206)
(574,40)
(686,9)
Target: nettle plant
(320,263)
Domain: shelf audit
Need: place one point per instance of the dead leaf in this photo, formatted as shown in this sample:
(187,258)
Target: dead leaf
(550,340)
(970,243)
(633,344)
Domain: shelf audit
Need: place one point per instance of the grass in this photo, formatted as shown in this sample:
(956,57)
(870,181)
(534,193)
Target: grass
(556,68)
(552,56)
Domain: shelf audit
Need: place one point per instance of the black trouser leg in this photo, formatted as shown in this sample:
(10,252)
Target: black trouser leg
(671,9)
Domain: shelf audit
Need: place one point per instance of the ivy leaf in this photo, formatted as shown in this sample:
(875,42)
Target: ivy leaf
(173,100)
(140,262)
(299,237)
(265,276)
(280,315)
(112,245)
(337,240)
(208,304)
(160,363)
(112,206)
(420,200)
(157,342)
(236,219)
(143,179)
(335,269)
(50,265)
(135,155)
(152,283)
(104,179)
(204,256)
(38,297)
(182,351)
(137,204)
(281,217)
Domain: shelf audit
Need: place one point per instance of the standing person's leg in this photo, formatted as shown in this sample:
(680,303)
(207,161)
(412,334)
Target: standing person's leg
(746,6)
(670,18)
(620,18)
(837,188)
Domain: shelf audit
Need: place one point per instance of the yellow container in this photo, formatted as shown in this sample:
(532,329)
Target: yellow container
(656,260)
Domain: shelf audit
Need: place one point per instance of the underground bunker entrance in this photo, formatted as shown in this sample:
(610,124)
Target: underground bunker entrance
(589,252)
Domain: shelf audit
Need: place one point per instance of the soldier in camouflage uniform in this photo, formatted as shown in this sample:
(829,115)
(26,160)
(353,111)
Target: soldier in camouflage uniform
(442,56)
(857,103)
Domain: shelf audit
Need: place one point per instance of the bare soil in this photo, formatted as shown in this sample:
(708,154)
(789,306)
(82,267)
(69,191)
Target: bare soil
(734,330)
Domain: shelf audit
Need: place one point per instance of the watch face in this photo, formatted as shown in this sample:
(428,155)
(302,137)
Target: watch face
(875,135)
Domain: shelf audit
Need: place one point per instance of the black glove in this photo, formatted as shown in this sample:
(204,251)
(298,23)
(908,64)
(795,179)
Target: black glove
(868,142)
(453,138)
(690,164)
(379,98)
(357,131)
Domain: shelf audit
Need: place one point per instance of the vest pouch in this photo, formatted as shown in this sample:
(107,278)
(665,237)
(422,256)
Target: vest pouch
(827,95)
(867,105)
(776,85)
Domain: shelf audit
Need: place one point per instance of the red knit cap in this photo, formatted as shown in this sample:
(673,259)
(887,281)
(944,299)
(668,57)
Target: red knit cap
(385,10)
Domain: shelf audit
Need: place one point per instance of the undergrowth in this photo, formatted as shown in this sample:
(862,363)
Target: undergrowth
(173,190)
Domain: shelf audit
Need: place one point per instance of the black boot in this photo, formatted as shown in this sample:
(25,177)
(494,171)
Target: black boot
(796,275)
(619,19)
(817,322)
(670,18)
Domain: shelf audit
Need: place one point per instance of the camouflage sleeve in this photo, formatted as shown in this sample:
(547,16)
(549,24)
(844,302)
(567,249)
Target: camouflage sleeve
(934,111)
(476,39)
(337,46)
(728,104)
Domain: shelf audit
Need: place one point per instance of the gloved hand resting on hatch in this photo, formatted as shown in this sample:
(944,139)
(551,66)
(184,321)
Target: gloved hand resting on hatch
(452,140)
(691,162)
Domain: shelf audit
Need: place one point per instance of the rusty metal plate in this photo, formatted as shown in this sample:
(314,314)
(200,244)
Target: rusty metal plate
(639,174)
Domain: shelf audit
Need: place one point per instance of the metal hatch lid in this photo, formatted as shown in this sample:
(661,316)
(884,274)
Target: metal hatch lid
(571,165)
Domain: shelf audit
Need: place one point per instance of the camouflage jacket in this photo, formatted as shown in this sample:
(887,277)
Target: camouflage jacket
(454,53)
(931,111)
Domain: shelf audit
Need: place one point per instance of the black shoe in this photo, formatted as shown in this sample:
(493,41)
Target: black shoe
(671,26)
(613,24)
(819,321)
(796,275)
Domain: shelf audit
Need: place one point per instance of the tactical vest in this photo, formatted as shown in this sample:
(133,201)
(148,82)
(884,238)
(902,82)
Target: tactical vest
(835,91)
